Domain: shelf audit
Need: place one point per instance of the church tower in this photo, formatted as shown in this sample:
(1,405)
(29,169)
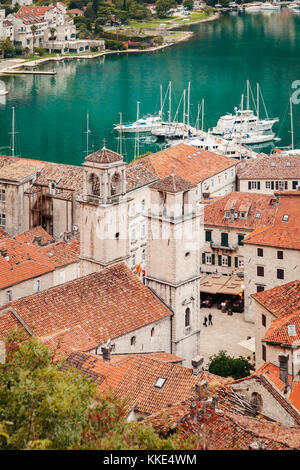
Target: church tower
(173,259)
(104,212)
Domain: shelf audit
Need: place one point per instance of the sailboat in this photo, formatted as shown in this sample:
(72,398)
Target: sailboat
(270,6)
(290,150)
(244,121)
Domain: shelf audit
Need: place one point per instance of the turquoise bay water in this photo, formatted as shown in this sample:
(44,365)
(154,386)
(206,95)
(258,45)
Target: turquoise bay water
(51,110)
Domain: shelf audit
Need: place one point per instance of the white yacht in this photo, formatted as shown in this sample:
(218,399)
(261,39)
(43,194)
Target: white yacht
(144,124)
(254,7)
(270,6)
(244,121)
(250,138)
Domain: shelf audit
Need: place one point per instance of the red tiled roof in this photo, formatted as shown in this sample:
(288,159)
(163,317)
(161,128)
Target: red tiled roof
(192,164)
(3,234)
(104,155)
(281,234)
(295,394)
(106,305)
(223,430)
(279,331)
(134,380)
(273,373)
(258,207)
(30,235)
(281,300)
(9,322)
(34,10)
(172,184)
(274,167)
(25,260)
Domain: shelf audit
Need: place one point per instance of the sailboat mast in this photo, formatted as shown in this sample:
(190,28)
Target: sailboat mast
(13,133)
(242,102)
(120,133)
(170,101)
(292,125)
(247,95)
(202,120)
(183,118)
(161,101)
(257,101)
(188,105)
(87,133)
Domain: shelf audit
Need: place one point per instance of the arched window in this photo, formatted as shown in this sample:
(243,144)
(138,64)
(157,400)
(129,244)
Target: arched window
(152,332)
(133,341)
(116,186)
(256,402)
(94,184)
(187,317)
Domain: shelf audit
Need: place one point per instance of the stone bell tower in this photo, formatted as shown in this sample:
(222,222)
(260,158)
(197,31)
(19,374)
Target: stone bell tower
(173,259)
(104,211)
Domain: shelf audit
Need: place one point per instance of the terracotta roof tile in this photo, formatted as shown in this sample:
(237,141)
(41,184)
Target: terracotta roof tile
(135,378)
(275,167)
(295,395)
(106,305)
(104,155)
(281,233)
(273,373)
(185,161)
(281,300)
(172,184)
(258,207)
(31,234)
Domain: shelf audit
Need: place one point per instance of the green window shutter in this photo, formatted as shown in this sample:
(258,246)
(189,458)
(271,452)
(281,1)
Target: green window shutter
(229,261)
(240,239)
(224,239)
(236,262)
(212,259)
(207,235)
(220,260)
(203,258)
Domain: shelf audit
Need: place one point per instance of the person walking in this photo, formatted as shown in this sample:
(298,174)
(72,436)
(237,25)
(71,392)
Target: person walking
(205,321)
(210,319)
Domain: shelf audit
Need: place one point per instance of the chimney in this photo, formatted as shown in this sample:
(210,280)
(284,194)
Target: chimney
(196,364)
(106,349)
(3,253)
(284,368)
(201,389)
(37,241)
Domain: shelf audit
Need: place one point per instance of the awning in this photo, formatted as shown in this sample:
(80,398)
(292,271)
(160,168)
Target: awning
(220,284)
(248,344)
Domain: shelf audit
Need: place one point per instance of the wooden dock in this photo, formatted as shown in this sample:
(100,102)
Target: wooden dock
(27,72)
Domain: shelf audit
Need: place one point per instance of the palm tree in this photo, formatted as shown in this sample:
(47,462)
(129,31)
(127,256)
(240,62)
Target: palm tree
(52,31)
(33,30)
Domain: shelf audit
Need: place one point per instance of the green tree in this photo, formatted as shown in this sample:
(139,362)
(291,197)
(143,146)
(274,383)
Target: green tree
(163,7)
(7,48)
(189,4)
(44,404)
(227,366)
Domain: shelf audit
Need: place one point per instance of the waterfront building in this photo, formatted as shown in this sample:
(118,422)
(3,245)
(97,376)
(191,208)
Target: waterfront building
(268,174)
(272,253)
(6,27)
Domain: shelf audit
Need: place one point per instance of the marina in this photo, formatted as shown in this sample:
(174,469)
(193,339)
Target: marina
(51,109)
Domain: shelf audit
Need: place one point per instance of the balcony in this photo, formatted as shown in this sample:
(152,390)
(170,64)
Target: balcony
(219,246)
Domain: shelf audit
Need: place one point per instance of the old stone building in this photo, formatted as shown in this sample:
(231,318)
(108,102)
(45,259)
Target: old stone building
(227,220)
(173,265)
(272,253)
(267,174)
(32,262)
